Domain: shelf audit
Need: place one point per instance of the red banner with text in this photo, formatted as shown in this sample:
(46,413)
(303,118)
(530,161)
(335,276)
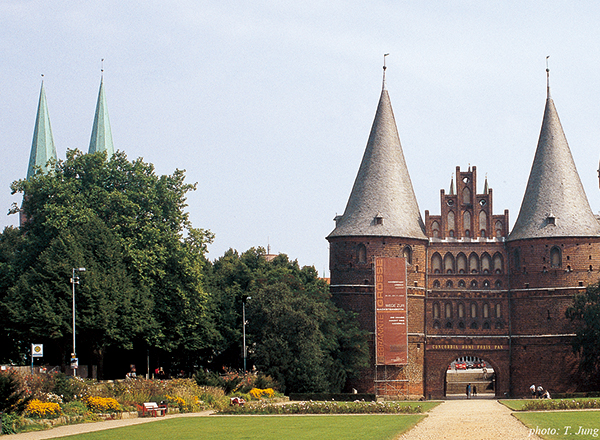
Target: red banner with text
(391,326)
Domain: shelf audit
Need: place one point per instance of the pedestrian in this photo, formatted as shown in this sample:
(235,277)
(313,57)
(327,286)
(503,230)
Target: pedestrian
(532,389)
(468,391)
(484,373)
(540,392)
(474,390)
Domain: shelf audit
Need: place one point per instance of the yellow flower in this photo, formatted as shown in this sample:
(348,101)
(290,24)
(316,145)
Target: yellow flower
(39,409)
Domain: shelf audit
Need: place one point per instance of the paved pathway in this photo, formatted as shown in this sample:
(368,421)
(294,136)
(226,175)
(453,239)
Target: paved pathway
(477,419)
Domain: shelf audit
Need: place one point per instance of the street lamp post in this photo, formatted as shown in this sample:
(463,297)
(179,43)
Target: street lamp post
(75,280)
(245,352)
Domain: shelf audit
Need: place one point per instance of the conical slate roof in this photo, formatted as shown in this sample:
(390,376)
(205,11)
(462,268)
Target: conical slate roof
(42,147)
(554,204)
(101,139)
(382,201)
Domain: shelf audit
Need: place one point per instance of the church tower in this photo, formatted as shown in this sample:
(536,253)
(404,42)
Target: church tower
(101,139)
(381,219)
(42,147)
(554,253)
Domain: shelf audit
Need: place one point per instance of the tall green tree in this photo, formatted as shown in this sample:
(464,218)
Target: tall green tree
(295,333)
(144,260)
(585,314)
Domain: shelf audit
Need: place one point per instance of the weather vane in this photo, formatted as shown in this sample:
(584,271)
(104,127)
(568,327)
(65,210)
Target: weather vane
(102,66)
(384,67)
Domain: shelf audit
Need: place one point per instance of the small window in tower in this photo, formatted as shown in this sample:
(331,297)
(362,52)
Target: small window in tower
(362,253)
(473,283)
(461,310)
(486,325)
(551,220)
(473,310)
(498,325)
(436,284)
(465,179)
(379,219)
(407,253)
(486,310)
(436,310)
(449,283)
(450,202)
(448,324)
(448,310)
(436,325)
(461,283)
(461,325)
(498,284)
(451,233)
(482,202)
(498,309)
(555,257)
(474,325)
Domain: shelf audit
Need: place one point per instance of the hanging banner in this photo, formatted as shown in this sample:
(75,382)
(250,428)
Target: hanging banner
(37,350)
(391,326)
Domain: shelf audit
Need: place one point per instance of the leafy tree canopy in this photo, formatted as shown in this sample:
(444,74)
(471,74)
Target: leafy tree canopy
(585,313)
(295,333)
(128,228)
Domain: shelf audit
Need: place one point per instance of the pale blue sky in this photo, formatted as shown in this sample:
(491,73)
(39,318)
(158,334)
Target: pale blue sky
(268,104)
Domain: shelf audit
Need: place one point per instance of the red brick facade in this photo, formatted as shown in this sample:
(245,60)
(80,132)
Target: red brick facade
(472,293)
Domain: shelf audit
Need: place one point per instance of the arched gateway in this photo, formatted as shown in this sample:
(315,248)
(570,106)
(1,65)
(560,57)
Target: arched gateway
(473,372)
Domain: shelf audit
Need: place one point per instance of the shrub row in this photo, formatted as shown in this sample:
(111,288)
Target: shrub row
(550,404)
(338,397)
(262,408)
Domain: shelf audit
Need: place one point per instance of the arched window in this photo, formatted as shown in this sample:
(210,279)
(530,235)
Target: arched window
(407,253)
(486,284)
(498,227)
(486,263)
(467,222)
(497,260)
(449,324)
(448,263)
(451,223)
(461,263)
(517,258)
(473,263)
(435,229)
(473,310)
(486,325)
(466,195)
(498,310)
(449,283)
(555,257)
(474,325)
(483,221)
(486,310)
(498,325)
(461,310)
(461,325)
(473,283)
(436,310)
(436,263)
(498,284)
(436,283)
(436,324)
(362,253)
(461,283)
(448,310)
(451,233)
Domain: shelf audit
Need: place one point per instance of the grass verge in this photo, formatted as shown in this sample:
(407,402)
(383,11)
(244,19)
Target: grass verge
(579,425)
(354,427)
(550,404)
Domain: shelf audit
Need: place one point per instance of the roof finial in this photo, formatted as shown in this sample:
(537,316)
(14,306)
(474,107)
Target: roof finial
(547,77)
(384,67)
(102,66)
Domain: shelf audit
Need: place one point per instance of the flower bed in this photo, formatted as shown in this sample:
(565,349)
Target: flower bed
(42,410)
(325,408)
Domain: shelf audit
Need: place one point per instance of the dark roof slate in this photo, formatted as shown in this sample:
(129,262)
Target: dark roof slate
(382,188)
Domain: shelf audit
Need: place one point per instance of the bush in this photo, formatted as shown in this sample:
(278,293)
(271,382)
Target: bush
(257,393)
(338,397)
(325,408)
(75,408)
(13,398)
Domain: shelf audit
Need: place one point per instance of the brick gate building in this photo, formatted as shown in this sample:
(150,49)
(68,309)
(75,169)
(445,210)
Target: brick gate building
(474,287)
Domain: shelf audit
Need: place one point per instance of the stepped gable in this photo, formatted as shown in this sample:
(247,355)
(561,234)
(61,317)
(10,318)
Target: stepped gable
(382,201)
(554,204)
(101,139)
(42,147)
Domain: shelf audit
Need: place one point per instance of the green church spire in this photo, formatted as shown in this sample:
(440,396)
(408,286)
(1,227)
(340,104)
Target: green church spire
(101,139)
(42,147)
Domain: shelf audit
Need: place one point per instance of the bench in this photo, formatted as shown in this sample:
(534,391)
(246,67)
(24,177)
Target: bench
(153,409)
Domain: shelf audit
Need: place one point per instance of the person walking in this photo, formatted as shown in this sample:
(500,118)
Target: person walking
(468,391)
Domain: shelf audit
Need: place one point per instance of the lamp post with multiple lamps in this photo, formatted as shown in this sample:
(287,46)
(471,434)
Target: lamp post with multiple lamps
(245,351)
(75,280)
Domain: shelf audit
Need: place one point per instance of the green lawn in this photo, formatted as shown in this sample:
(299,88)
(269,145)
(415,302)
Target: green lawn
(359,427)
(575,425)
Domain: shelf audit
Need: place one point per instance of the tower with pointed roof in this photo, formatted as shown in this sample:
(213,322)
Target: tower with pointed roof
(101,139)
(381,219)
(554,250)
(43,151)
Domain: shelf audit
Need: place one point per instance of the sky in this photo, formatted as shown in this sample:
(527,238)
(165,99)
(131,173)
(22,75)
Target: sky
(268,104)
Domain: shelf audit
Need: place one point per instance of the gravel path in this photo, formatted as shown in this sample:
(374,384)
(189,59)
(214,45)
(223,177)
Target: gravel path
(469,420)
